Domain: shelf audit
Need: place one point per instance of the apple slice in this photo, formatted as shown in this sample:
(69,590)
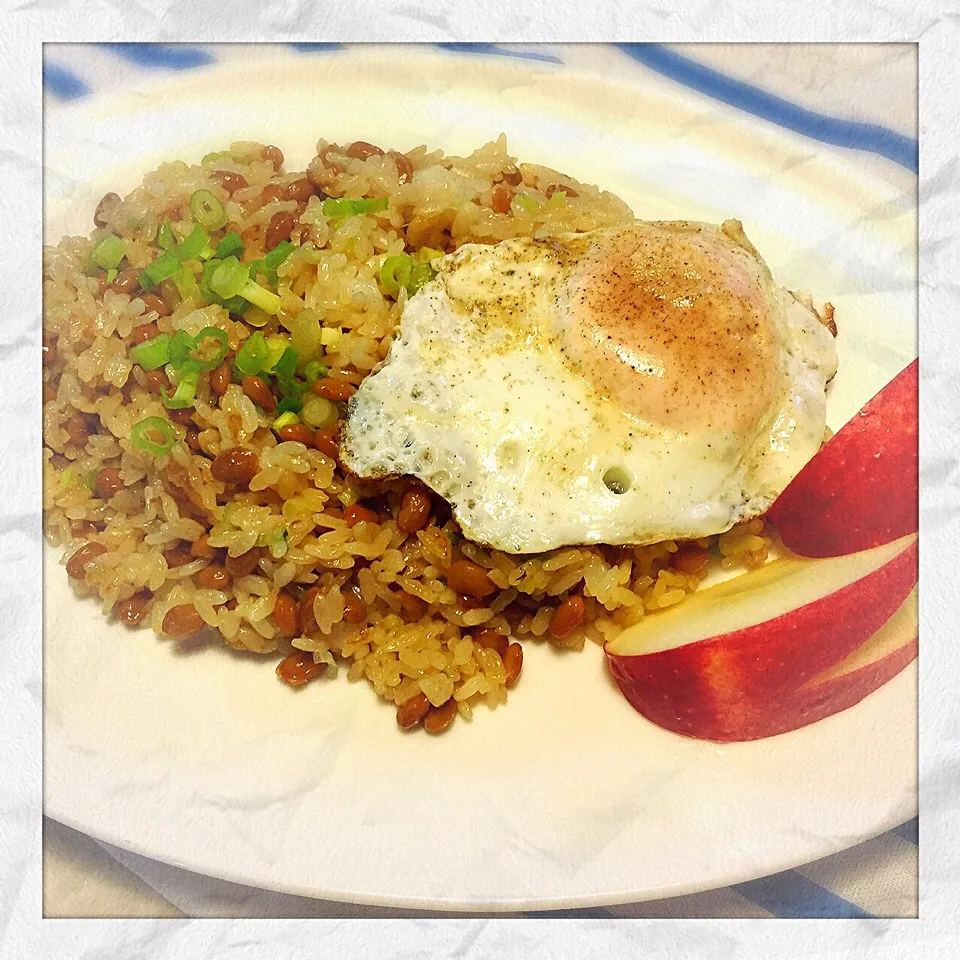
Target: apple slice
(723,662)
(861,489)
(870,666)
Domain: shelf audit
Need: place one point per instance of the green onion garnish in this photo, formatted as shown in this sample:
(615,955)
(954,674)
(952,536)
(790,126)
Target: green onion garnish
(344,207)
(231,278)
(276,347)
(289,404)
(420,274)
(395,273)
(428,253)
(185,282)
(285,420)
(276,541)
(286,366)
(268,302)
(253,354)
(230,245)
(194,245)
(526,202)
(214,157)
(211,360)
(141,432)
(186,389)
(330,336)
(269,264)
(279,253)
(154,353)
(402,271)
(109,252)
(228,278)
(68,478)
(181,347)
(231,305)
(314,370)
(164,267)
(318,412)
(207,210)
(165,238)
(111,276)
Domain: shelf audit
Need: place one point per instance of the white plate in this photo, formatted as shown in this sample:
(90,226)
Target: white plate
(565,797)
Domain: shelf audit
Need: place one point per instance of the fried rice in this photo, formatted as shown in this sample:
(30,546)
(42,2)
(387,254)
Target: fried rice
(297,558)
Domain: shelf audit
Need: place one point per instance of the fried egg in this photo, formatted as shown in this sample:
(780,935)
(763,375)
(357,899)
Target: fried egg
(623,386)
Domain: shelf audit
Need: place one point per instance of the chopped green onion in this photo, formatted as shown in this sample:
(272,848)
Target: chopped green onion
(211,361)
(230,245)
(231,305)
(314,370)
(428,253)
(285,420)
(343,207)
(318,412)
(395,273)
(68,478)
(111,276)
(291,404)
(286,366)
(231,278)
(420,274)
(214,157)
(276,347)
(181,346)
(252,355)
(269,264)
(207,210)
(165,238)
(330,336)
(109,252)
(268,302)
(279,253)
(153,353)
(526,202)
(164,267)
(228,278)
(194,245)
(140,436)
(276,541)
(185,282)
(186,389)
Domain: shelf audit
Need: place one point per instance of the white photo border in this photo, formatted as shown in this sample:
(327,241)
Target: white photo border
(934,24)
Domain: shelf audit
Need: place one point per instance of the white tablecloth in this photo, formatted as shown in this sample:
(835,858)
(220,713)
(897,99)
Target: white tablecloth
(871,84)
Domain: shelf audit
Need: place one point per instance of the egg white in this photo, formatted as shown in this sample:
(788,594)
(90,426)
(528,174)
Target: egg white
(483,398)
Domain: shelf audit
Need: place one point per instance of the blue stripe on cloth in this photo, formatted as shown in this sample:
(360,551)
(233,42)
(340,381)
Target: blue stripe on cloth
(494,50)
(62,83)
(575,913)
(165,55)
(791,895)
(909,831)
(315,47)
(841,133)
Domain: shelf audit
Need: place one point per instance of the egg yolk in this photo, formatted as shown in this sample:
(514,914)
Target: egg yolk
(675,331)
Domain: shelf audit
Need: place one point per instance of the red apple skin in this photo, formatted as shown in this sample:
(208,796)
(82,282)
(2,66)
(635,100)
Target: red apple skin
(727,687)
(819,700)
(770,716)
(861,489)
